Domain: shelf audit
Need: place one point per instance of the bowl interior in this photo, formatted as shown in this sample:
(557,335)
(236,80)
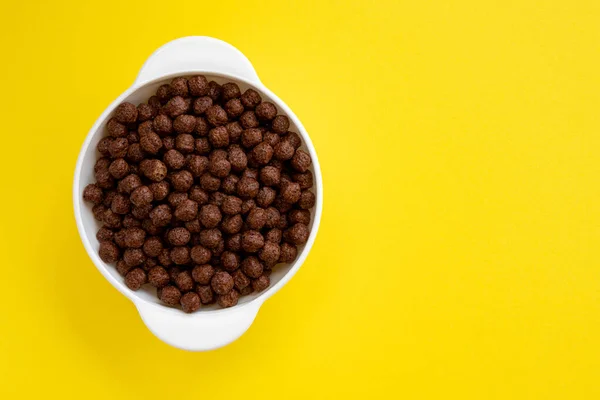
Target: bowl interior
(90,225)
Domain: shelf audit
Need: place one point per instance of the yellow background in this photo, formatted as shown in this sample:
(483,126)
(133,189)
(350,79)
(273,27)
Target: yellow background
(458,253)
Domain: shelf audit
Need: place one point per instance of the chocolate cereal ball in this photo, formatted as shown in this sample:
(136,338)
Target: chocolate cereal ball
(210,238)
(270,176)
(176,106)
(294,139)
(120,204)
(305,180)
(273,217)
(307,200)
(269,253)
(240,280)
(210,215)
(153,246)
(274,235)
(182,180)
(252,267)
(237,158)
(135,154)
(221,282)
(197,194)
(251,99)
(283,150)
(170,295)
(160,190)
(235,131)
(180,255)
(164,258)
(229,299)
(201,105)
(190,302)
(104,179)
(234,243)
(261,283)
(230,261)
(135,278)
(104,235)
(262,153)
(115,129)
(198,85)
(134,237)
(185,143)
(184,281)
(229,184)
(145,112)
(155,170)
(234,108)
(118,168)
(219,168)
(252,241)
(265,196)
(202,146)
(297,234)
(232,224)
(251,137)
(158,277)
(203,273)
(163,125)
(301,161)
(214,90)
(196,164)
(174,160)
(151,143)
(218,137)
(186,210)
(256,219)
(123,268)
(288,253)
(299,216)
(103,146)
(134,257)
(179,87)
(248,120)
(216,116)
(209,182)
(164,93)
(141,212)
(126,113)
(118,148)
(206,294)
(280,124)
(232,205)
(141,196)
(108,252)
(179,236)
(102,164)
(176,198)
(230,91)
(266,111)
(271,138)
(290,192)
(161,215)
(247,187)
(93,194)
(184,124)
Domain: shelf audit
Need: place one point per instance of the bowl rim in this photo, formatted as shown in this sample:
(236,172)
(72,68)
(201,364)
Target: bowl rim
(119,284)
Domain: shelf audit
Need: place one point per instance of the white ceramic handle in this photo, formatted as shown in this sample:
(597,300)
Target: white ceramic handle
(200,53)
(200,331)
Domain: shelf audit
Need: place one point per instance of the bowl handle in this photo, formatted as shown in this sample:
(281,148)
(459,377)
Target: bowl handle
(198,332)
(201,53)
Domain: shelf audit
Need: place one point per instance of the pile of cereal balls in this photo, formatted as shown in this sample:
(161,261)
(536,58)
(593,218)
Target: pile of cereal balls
(202,191)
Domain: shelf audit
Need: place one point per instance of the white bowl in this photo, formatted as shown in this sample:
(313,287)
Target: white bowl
(208,328)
